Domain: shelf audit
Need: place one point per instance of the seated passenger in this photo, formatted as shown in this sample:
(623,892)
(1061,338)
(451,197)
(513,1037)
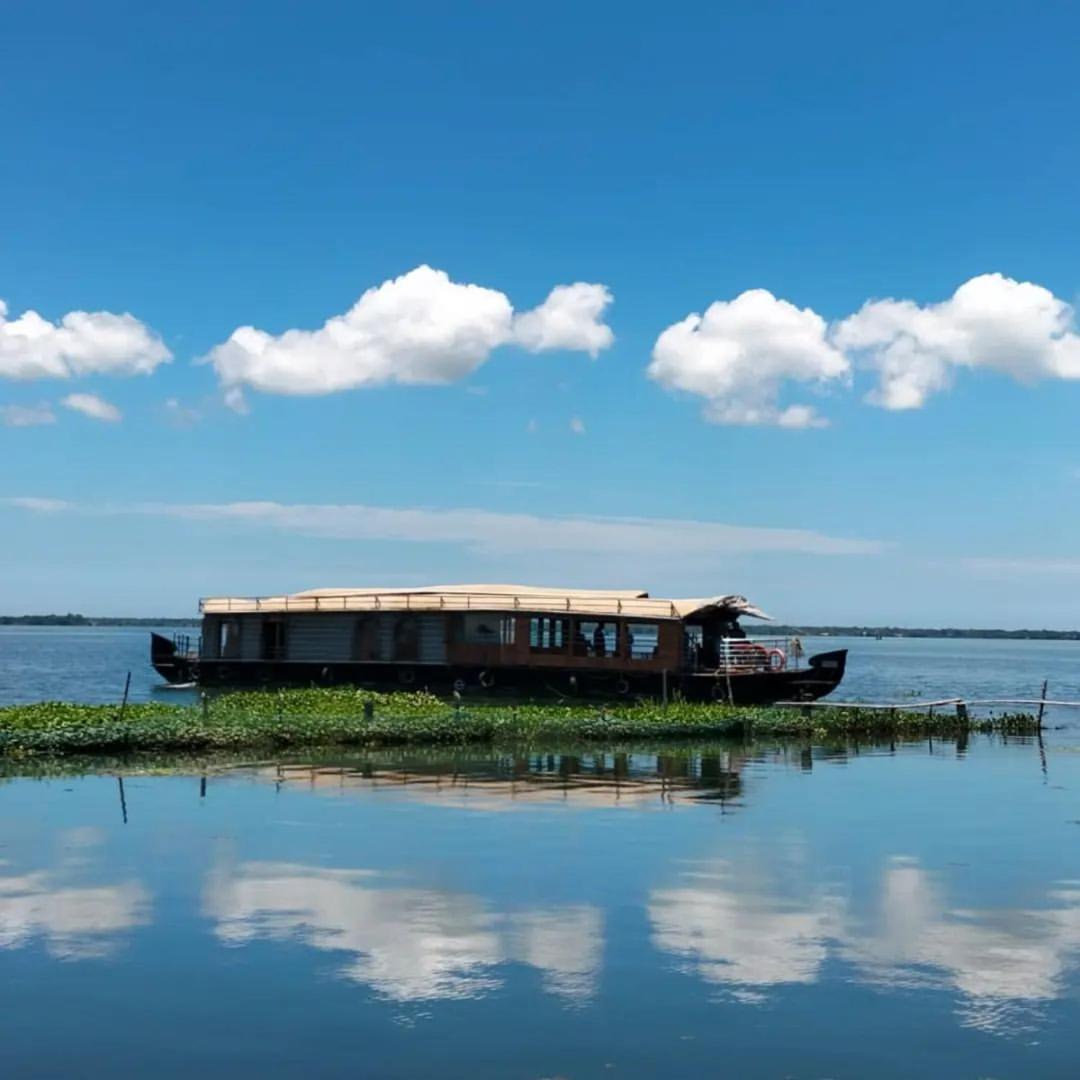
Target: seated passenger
(599,641)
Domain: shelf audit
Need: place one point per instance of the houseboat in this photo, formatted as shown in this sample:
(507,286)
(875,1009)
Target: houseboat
(498,640)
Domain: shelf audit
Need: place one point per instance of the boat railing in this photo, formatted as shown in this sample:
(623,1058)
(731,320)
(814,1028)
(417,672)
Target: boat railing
(748,655)
(187,644)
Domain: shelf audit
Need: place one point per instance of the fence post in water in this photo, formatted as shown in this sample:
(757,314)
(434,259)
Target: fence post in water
(127,687)
(663,683)
(1042,702)
(205,707)
(369,710)
(962,713)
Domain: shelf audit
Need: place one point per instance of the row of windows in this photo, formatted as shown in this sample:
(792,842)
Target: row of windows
(547,634)
(593,637)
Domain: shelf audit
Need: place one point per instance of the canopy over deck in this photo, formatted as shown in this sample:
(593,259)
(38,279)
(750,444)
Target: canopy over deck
(629,603)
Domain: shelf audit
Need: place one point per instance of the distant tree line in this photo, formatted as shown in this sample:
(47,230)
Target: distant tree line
(71,619)
(927,632)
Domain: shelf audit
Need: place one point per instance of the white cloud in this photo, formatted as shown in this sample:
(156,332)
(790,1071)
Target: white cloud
(570,318)
(741,355)
(489,532)
(179,415)
(26,415)
(1005,569)
(418,328)
(93,406)
(577,425)
(81,343)
(39,505)
(1014,327)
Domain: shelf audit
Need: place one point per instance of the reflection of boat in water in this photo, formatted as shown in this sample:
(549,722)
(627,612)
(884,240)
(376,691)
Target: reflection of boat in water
(506,782)
(495,640)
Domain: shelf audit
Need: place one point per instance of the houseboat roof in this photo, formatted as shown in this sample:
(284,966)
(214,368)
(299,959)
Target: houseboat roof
(633,603)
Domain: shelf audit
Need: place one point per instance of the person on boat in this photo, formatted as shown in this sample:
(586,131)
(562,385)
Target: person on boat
(581,642)
(599,641)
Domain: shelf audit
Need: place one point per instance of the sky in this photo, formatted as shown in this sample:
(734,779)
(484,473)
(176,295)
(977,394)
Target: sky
(770,299)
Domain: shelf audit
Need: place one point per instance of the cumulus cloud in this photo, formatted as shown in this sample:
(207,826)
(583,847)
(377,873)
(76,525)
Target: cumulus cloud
(81,343)
(570,318)
(1013,327)
(491,533)
(415,329)
(742,354)
(93,406)
(26,415)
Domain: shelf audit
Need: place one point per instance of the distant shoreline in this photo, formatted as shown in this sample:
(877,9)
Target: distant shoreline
(924,632)
(86,620)
(770,631)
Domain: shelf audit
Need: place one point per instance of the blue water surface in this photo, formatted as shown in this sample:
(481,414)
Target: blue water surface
(772,911)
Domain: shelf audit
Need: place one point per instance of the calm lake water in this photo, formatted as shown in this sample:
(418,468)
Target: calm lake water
(772,912)
(767,911)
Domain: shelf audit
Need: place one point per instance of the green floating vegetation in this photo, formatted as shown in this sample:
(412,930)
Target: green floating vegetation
(351,717)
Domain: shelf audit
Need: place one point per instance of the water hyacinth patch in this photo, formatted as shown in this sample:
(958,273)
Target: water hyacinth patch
(346,716)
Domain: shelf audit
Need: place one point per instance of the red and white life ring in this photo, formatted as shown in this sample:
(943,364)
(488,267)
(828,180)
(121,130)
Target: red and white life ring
(777,659)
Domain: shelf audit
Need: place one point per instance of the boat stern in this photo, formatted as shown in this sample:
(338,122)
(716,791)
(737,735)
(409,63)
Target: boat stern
(169,662)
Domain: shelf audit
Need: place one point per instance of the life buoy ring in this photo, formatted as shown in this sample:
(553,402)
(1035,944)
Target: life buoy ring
(622,687)
(777,660)
(406,676)
(459,685)
(486,680)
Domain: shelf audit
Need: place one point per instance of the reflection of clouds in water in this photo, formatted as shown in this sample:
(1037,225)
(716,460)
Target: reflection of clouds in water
(77,921)
(406,943)
(734,934)
(565,944)
(999,961)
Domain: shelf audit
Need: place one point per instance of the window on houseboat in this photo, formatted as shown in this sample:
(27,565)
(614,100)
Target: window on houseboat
(364,640)
(229,639)
(548,634)
(642,640)
(407,639)
(596,638)
(693,644)
(273,639)
(488,629)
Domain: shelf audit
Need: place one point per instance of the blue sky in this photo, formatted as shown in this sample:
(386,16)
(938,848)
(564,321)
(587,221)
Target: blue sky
(266,164)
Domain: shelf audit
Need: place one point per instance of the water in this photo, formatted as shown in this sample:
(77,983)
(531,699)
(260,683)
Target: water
(772,912)
(90,664)
(779,910)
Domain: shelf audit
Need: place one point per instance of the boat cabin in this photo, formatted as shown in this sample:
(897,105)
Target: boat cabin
(472,638)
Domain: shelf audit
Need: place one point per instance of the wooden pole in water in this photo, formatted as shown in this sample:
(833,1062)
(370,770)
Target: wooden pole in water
(124,699)
(1042,702)
(663,681)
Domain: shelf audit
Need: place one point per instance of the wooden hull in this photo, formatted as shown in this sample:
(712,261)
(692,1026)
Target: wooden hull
(821,675)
